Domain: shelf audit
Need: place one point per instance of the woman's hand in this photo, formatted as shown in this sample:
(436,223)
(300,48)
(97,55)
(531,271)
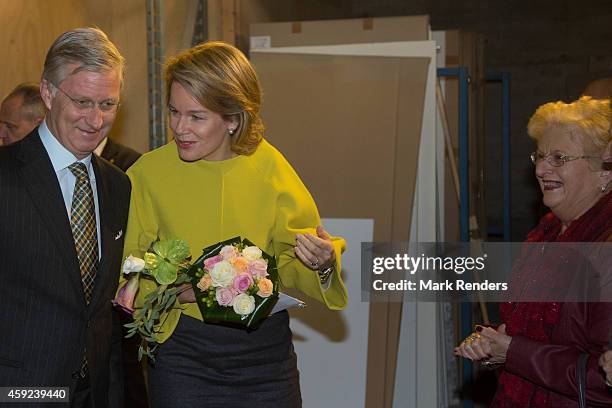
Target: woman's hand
(186,295)
(486,344)
(315,252)
(475,347)
(605,362)
(500,342)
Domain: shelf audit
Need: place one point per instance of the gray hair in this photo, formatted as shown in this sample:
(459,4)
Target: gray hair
(32,107)
(88,47)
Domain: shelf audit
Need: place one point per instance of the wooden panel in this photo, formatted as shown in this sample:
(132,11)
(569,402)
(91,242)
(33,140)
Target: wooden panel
(28,27)
(222,20)
(125,24)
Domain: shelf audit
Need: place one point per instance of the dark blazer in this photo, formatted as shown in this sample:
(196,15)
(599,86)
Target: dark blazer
(120,155)
(45,323)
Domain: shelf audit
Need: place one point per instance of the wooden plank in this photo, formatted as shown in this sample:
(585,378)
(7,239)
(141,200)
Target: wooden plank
(228,21)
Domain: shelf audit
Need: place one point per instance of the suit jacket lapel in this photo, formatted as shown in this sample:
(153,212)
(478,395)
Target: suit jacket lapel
(40,180)
(106,233)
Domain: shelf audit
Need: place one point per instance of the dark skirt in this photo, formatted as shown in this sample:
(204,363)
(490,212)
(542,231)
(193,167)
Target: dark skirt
(207,365)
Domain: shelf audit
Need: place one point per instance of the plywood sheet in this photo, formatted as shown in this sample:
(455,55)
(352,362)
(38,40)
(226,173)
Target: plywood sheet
(348,130)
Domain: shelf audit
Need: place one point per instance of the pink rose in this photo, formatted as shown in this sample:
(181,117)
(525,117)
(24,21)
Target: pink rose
(242,282)
(229,252)
(266,287)
(225,296)
(205,282)
(258,268)
(211,262)
(125,296)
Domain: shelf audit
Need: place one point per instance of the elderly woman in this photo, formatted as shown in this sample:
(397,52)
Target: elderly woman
(218,179)
(539,344)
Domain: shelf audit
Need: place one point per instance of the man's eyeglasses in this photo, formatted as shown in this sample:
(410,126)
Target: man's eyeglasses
(86,106)
(557,159)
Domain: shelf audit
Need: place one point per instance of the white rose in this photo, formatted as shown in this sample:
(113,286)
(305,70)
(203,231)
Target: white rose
(244,304)
(133,264)
(222,274)
(251,253)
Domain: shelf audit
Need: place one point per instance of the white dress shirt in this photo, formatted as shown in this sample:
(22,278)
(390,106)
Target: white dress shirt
(61,158)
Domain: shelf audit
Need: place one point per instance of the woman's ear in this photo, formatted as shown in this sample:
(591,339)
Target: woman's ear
(232,124)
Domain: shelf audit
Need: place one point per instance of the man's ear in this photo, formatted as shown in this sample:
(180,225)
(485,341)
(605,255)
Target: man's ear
(45,93)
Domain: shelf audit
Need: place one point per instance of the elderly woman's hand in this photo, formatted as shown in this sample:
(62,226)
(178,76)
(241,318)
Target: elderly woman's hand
(500,342)
(487,345)
(605,361)
(315,252)
(475,347)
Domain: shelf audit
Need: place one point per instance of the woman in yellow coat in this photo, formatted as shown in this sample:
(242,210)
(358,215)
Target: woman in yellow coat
(219,179)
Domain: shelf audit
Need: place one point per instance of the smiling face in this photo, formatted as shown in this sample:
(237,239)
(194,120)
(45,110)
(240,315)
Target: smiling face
(76,129)
(569,190)
(199,133)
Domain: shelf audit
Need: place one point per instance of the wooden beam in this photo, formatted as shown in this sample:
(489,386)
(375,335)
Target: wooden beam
(228,23)
(222,20)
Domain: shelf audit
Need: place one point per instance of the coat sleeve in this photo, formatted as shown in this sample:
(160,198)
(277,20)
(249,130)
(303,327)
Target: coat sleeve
(296,212)
(554,365)
(142,230)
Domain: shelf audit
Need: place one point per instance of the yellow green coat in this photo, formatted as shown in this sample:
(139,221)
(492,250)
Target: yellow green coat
(259,197)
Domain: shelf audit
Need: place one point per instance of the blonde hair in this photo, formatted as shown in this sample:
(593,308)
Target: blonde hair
(587,118)
(88,47)
(221,79)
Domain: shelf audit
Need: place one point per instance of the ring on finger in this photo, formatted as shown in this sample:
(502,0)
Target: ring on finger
(315,263)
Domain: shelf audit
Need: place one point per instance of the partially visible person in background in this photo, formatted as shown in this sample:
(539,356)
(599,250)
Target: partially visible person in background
(21,111)
(135,390)
(599,89)
(116,153)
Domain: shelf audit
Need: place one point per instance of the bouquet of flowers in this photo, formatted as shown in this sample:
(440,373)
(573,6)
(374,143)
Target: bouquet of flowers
(234,282)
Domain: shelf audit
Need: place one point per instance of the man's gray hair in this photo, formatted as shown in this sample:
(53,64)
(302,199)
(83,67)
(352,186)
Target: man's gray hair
(32,106)
(88,47)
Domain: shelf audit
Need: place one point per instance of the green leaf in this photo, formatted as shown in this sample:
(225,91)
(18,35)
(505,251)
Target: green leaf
(173,250)
(165,273)
(152,260)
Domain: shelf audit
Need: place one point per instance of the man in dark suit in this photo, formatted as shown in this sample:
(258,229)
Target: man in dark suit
(63,213)
(20,112)
(118,154)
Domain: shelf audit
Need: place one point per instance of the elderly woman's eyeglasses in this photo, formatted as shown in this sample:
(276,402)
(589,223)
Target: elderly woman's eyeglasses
(556,159)
(86,106)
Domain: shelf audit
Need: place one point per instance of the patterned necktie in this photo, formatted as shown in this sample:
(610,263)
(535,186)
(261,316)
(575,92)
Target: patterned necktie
(83,224)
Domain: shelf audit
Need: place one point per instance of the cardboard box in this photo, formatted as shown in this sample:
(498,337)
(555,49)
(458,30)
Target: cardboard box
(349,31)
